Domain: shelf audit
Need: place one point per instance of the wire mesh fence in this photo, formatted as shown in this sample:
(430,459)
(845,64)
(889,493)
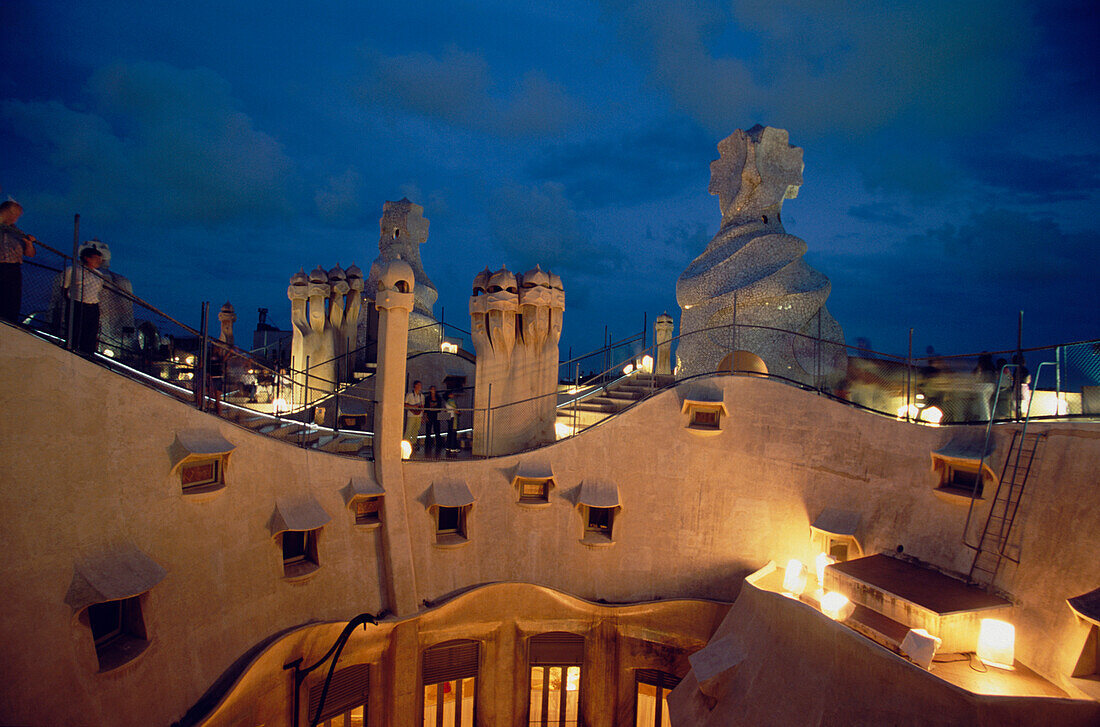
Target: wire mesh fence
(330,405)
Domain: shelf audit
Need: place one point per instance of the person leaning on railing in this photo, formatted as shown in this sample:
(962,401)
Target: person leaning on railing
(14,246)
(84,286)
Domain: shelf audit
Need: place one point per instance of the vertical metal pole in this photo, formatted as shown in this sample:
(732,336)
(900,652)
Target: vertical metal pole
(909,375)
(817,356)
(305,405)
(1058,380)
(203,351)
(576,386)
(645,329)
(1018,389)
(72,304)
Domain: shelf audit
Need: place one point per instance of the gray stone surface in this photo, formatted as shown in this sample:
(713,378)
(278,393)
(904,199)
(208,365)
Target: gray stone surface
(752,272)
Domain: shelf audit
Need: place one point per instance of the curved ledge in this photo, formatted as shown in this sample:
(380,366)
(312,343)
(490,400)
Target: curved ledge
(450,542)
(533,504)
(597,540)
(203,493)
(124,651)
(299,572)
(955,497)
(703,431)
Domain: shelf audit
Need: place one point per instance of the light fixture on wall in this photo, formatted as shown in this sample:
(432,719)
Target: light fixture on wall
(794,579)
(406,449)
(996,643)
(821,562)
(836,606)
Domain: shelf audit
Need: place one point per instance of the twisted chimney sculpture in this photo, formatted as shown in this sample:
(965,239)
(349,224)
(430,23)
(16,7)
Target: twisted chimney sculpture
(516,324)
(752,274)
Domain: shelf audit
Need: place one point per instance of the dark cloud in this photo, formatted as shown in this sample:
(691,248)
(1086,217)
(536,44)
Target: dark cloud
(457,88)
(880,212)
(635,166)
(1035,179)
(538,225)
(157,145)
(825,67)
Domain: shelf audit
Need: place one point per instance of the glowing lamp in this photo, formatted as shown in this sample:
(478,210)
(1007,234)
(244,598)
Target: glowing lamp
(910,411)
(647,364)
(280,405)
(406,449)
(563,430)
(446,347)
(1063,405)
(932,415)
(628,369)
(820,563)
(836,606)
(794,579)
(190,360)
(996,643)
(108,353)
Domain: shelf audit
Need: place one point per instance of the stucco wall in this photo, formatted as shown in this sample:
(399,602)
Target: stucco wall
(86,466)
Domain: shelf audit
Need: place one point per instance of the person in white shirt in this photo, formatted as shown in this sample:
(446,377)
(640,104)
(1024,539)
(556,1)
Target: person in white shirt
(414,407)
(83,288)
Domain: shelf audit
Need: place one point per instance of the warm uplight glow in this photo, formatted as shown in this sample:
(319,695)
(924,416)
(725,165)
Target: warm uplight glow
(794,580)
(932,415)
(446,347)
(406,449)
(647,364)
(996,643)
(563,430)
(186,376)
(190,360)
(836,606)
(912,410)
(280,405)
(820,563)
(628,369)
(1063,405)
(108,353)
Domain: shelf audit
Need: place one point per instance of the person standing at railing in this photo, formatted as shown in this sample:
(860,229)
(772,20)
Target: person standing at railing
(450,415)
(84,286)
(432,406)
(14,246)
(414,408)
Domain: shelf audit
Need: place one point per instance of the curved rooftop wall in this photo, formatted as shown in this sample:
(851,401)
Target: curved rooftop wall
(88,467)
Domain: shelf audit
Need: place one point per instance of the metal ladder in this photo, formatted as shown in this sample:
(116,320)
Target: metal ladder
(991,546)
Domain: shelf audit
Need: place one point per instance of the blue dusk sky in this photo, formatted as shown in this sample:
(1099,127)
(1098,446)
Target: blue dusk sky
(951,149)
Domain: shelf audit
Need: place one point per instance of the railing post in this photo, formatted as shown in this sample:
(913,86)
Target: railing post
(204,350)
(908,375)
(71,306)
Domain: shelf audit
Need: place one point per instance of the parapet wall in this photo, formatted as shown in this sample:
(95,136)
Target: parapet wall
(87,467)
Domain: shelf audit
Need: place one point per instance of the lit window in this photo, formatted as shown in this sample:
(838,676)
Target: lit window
(299,552)
(346,701)
(651,697)
(555,663)
(1088,665)
(704,417)
(368,511)
(118,631)
(449,675)
(202,475)
(963,478)
(534,491)
(600,520)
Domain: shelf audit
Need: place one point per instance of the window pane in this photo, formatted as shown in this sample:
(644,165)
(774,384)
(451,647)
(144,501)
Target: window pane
(430,693)
(469,691)
(647,706)
(553,709)
(337,721)
(534,713)
(449,703)
(572,695)
(358,716)
(665,721)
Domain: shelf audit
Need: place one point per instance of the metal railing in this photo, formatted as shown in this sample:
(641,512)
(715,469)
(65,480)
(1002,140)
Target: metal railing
(142,341)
